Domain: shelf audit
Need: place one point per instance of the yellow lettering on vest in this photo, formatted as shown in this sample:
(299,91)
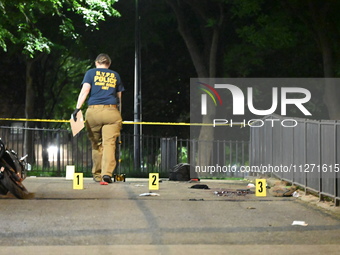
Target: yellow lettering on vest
(104,79)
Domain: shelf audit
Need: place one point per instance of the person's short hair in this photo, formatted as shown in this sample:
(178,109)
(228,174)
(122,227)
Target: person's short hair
(103,59)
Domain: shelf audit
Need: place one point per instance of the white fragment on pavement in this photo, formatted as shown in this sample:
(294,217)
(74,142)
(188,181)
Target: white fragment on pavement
(296,194)
(299,223)
(251,185)
(149,194)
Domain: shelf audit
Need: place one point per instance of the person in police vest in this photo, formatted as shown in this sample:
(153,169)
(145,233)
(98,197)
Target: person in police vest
(103,117)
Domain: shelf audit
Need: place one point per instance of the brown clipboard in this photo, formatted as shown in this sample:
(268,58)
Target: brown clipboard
(78,125)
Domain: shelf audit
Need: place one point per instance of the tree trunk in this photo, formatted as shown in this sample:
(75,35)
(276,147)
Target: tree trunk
(331,93)
(206,135)
(195,54)
(321,26)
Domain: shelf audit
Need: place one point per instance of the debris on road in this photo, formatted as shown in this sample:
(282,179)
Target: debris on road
(194,180)
(296,194)
(150,194)
(299,223)
(251,185)
(281,189)
(200,186)
(237,192)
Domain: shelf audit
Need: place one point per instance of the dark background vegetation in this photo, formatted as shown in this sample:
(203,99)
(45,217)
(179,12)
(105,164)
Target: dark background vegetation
(261,38)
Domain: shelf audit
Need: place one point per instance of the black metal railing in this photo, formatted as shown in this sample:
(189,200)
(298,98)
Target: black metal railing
(51,150)
(304,152)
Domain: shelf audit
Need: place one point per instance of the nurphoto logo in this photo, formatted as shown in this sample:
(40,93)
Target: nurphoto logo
(266,119)
(279,96)
(239,103)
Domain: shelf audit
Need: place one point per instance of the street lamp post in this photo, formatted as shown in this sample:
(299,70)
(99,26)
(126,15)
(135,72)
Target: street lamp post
(137,94)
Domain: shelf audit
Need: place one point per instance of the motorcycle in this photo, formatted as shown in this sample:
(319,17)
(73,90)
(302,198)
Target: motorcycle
(12,172)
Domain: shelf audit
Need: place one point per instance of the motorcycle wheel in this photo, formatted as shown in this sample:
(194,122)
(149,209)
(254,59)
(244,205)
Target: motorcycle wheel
(17,189)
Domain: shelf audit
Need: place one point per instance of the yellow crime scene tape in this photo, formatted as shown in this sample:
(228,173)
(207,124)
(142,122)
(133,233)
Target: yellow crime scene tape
(125,122)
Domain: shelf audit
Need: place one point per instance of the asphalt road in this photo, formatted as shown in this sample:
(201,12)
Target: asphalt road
(115,219)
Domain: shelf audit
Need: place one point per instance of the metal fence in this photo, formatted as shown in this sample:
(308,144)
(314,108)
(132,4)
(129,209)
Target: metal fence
(304,152)
(225,158)
(51,150)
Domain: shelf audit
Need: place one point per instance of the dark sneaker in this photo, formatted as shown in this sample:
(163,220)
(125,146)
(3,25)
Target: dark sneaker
(107,179)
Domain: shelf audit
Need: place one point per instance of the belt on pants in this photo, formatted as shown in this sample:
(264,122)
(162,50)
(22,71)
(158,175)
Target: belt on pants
(103,106)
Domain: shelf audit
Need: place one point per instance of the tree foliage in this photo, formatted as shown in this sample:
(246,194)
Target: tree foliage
(46,36)
(59,39)
(22,21)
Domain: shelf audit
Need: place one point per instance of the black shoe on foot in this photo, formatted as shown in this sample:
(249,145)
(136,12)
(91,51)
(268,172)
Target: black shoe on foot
(107,179)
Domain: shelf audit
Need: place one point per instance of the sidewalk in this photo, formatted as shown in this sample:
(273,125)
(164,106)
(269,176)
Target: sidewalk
(114,219)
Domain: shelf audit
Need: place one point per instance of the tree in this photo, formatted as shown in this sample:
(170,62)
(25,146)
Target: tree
(307,29)
(322,20)
(203,47)
(23,24)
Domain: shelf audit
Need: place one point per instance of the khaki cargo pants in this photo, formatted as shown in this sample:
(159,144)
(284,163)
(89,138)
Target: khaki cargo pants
(103,124)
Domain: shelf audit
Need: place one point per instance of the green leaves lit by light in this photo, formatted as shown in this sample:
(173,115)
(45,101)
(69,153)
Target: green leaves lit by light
(94,11)
(67,29)
(21,20)
(35,44)
(5,34)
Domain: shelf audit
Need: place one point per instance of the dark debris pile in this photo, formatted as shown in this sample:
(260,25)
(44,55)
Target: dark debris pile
(237,192)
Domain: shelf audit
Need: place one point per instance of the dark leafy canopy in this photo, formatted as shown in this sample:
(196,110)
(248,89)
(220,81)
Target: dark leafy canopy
(266,39)
(24,21)
(45,37)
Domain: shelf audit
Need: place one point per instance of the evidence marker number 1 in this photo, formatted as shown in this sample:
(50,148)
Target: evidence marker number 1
(78,181)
